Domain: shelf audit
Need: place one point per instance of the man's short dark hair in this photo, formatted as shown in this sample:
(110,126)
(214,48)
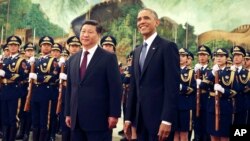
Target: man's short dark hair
(150,10)
(94,23)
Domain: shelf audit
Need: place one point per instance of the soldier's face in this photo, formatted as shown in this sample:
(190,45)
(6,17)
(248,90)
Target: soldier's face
(13,48)
(108,47)
(89,36)
(238,59)
(46,48)
(29,53)
(147,23)
(203,58)
(220,60)
(189,61)
(183,59)
(6,53)
(247,63)
(73,49)
(55,53)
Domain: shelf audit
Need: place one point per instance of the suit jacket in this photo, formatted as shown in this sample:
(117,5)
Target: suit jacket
(153,93)
(98,96)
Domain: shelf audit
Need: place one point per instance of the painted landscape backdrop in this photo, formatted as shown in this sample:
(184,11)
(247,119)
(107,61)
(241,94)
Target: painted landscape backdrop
(189,23)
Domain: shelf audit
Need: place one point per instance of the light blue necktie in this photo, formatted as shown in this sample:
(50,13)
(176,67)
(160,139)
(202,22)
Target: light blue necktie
(143,55)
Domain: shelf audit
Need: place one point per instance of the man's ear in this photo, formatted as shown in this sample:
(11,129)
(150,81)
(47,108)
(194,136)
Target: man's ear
(157,21)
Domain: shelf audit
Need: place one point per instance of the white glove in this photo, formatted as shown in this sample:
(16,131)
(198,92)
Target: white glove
(33,76)
(218,87)
(233,68)
(198,82)
(63,76)
(180,87)
(61,61)
(31,60)
(215,69)
(2,73)
(197,67)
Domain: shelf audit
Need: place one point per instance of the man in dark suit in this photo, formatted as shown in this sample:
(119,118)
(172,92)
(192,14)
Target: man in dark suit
(94,88)
(155,80)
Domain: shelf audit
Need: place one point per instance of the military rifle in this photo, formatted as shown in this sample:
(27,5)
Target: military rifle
(217,103)
(59,102)
(198,94)
(28,98)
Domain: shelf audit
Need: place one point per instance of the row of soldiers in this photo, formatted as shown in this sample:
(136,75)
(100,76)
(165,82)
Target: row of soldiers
(211,100)
(18,80)
(33,89)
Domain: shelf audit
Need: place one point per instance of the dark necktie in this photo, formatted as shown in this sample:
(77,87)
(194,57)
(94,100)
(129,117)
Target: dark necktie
(143,55)
(237,70)
(84,64)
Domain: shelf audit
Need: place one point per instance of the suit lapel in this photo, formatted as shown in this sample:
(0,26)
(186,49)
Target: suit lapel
(151,51)
(93,62)
(136,61)
(77,64)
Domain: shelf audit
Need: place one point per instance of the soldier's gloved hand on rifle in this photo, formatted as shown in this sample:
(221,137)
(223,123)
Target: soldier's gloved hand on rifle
(198,82)
(197,67)
(2,73)
(63,76)
(33,76)
(31,60)
(180,87)
(218,87)
(61,61)
(215,69)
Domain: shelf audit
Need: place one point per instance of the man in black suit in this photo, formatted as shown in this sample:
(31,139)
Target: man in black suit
(93,97)
(155,80)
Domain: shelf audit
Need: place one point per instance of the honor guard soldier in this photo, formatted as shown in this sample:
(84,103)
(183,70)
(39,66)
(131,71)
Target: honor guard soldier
(55,53)
(44,77)
(222,84)
(247,89)
(65,54)
(190,59)
(185,98)
(242,74)
(14,71)
(108,43)
(25,116)
(22,52)
(6,52)
(4,56)
(200,132)
(229,61)
(247,61)
(74,46)
(125,82)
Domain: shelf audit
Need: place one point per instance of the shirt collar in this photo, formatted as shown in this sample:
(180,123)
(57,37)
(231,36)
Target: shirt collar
(91,50)
(45,56)
(205,66)
(239,68)
(13,56)
(183,67)
(150,40)
(223,68)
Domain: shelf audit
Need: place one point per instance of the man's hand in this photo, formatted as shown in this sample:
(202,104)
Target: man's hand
(164,131)
(68,121)
(127,130)
(112,122)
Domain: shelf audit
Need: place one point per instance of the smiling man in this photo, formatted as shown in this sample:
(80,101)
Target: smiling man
(154,85)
